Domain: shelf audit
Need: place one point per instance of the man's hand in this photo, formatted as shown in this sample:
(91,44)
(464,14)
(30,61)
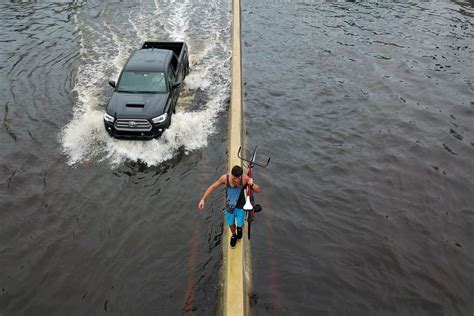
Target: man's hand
(253,185)
(212,187)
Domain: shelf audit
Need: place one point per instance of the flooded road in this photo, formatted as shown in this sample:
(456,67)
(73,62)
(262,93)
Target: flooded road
(366,108)
(90,224)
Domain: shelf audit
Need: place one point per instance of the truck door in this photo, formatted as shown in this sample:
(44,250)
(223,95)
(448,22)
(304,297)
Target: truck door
(174,92)
(177,67)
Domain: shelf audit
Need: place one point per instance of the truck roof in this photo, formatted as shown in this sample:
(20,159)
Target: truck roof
(149,60)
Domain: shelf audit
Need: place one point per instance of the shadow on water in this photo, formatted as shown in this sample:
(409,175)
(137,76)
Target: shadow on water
(134,168)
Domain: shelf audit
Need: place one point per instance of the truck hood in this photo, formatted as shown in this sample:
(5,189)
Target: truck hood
(132,105)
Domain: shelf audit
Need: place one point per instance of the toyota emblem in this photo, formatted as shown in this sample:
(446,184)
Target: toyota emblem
(132,124)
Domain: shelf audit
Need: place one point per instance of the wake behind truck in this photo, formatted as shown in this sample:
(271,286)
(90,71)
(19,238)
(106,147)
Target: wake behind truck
(147,91)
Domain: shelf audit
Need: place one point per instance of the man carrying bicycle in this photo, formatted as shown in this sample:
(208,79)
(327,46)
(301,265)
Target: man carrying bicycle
(235,182)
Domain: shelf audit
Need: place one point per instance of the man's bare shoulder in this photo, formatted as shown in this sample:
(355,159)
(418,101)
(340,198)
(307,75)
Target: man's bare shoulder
(223,179)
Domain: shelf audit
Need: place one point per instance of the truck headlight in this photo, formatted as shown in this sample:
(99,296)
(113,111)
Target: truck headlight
(160,119)
(108,118)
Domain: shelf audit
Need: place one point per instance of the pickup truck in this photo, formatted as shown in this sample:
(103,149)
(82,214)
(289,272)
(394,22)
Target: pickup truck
(147,91)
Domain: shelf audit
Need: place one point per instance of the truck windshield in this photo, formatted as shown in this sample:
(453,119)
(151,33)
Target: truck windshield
(142,82)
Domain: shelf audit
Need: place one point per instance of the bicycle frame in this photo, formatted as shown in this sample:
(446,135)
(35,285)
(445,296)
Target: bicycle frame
(253,208)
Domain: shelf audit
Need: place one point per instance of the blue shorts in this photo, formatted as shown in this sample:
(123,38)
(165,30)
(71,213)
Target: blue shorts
(238,214)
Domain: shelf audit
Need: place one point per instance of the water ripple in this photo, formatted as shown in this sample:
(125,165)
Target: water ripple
(365,108)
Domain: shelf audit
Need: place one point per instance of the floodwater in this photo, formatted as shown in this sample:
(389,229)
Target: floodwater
(367,111)
(90,224)
(365,107)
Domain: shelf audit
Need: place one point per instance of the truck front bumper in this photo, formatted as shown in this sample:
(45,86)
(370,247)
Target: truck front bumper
(139,134)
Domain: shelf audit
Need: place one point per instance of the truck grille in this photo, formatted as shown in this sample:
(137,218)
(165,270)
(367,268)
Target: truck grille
(133,125)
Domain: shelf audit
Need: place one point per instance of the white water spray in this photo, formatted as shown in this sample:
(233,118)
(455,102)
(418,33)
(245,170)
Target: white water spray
(105,46)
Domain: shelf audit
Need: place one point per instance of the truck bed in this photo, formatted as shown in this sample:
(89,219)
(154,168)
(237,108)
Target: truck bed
(176,47)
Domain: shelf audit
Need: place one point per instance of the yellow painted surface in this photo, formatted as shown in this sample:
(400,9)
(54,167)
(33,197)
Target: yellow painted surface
(235,292)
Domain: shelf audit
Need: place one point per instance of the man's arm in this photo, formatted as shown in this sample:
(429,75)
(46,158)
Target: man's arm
(253,185)
(209,190)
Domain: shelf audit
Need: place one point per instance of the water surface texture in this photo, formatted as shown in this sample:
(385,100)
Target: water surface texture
(91,225)
(367,110)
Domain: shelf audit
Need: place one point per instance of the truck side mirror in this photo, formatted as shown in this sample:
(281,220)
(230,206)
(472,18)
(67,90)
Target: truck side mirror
(175,85)
(112,83)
